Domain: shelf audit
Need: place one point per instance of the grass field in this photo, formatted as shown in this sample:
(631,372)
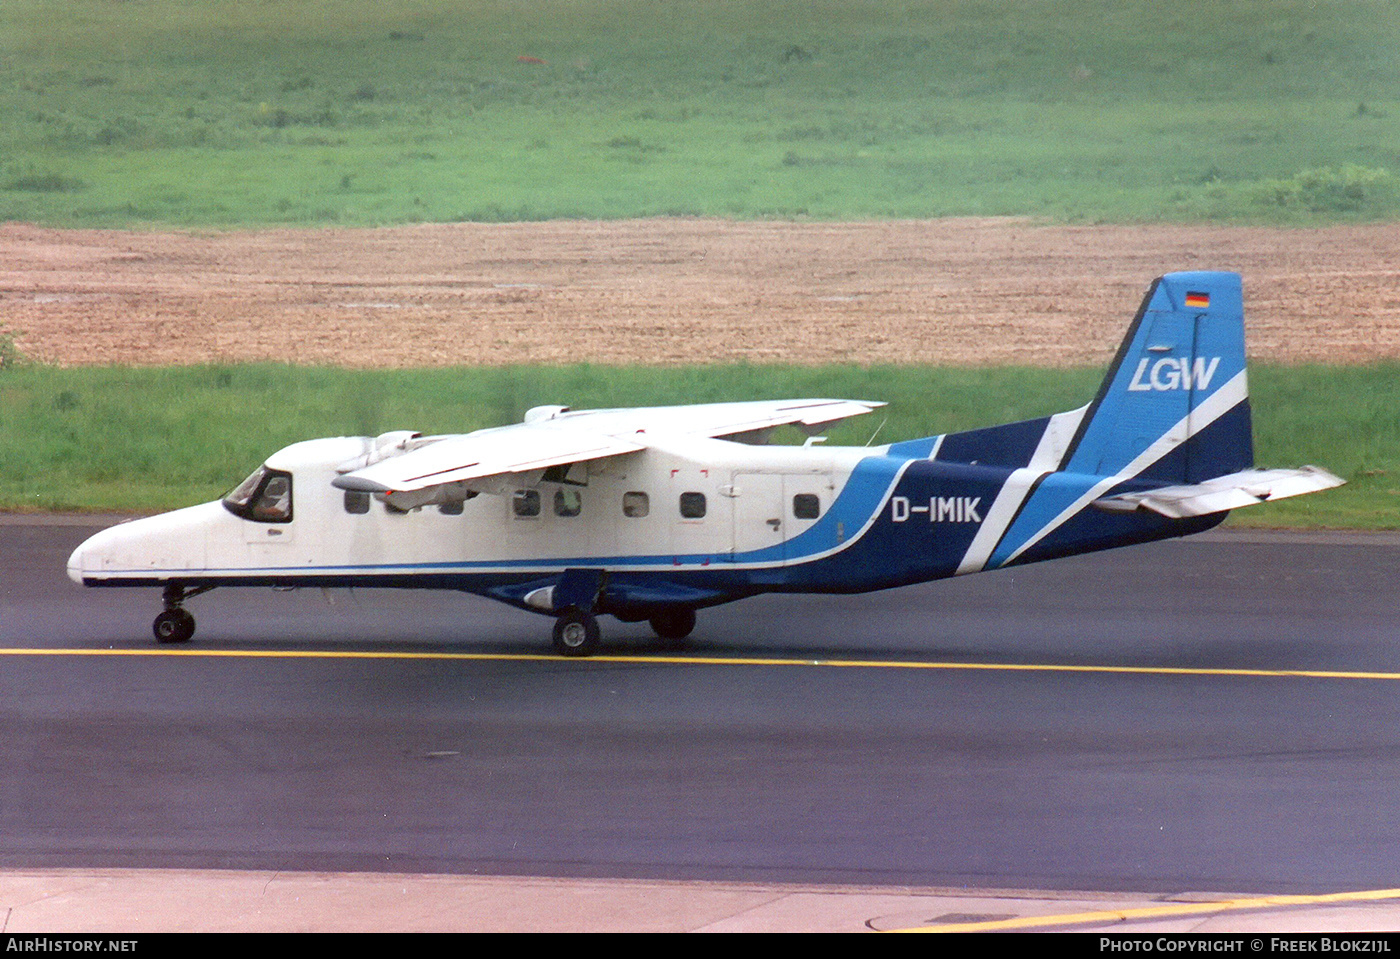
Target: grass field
(105,438)
(233,113)
(230,112)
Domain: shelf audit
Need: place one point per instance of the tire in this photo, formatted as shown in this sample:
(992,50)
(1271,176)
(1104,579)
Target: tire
(674,624)
(576,634)
(173,626)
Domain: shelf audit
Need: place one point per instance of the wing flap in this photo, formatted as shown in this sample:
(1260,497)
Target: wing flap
(1222,493)
(749,417)
(718,420)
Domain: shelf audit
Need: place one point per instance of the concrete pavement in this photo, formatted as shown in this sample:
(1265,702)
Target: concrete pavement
(133,901)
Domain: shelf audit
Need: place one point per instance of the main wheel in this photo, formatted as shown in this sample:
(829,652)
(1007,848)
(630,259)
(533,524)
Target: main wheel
(174,626)
(674,624)
(576,633)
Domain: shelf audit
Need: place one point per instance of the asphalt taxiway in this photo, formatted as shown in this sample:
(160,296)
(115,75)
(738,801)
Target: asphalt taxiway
(1209,720)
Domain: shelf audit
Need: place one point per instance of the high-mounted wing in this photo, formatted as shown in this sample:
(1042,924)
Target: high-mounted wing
(555,436)
(522,448)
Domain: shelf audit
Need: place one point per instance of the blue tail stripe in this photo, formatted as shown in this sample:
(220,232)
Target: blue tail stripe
(1185,345)
(1188,341)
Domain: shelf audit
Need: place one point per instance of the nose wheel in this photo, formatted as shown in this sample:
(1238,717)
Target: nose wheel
(176,624)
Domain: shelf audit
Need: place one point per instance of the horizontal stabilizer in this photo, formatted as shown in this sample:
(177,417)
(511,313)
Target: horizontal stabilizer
(1223,493)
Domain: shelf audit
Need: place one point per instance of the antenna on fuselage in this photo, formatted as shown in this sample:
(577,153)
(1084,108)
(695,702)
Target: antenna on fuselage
(877,430)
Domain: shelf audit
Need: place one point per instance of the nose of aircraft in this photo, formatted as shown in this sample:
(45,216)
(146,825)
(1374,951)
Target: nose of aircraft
(87,558)
(147,547)
(75,565)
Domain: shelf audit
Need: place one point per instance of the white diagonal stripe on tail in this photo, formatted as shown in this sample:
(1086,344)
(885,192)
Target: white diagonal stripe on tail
(1211,409)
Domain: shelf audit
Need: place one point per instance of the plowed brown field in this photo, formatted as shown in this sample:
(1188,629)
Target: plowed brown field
(676,291)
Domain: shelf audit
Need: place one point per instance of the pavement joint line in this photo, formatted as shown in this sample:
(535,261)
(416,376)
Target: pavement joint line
(1161,912)
(714,661)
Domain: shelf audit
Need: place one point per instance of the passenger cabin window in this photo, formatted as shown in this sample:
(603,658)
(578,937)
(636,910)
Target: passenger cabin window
(567,502)
(264,497)
(526,503)
(635,504)
(356,501)
(692,505)
(806,506)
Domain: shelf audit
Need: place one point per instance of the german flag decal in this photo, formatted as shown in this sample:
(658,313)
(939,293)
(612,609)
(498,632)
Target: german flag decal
(1197,301)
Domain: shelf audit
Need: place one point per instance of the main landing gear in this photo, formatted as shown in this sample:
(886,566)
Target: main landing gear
(673,625)
(576,631)
(176,624)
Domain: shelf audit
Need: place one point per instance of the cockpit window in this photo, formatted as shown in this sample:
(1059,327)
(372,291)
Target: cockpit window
(242,494)
(264,497)
(274,503)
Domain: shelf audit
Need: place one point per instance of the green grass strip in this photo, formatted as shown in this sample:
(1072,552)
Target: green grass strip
(148,439)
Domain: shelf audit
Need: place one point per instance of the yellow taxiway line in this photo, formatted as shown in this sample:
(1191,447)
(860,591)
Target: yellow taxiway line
(1159,912)
(709,661)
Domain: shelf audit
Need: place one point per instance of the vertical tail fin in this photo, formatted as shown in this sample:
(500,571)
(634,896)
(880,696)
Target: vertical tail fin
(1173,408)
(1175,403)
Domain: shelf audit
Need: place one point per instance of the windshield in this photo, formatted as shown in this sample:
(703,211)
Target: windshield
(265,497)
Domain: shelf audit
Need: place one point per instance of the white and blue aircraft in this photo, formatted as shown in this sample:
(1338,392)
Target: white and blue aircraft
(655,513)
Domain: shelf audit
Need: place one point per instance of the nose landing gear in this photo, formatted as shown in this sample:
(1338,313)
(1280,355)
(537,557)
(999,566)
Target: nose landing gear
(176,624)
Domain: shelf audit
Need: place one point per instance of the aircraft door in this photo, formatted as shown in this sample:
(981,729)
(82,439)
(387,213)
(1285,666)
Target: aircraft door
(258,535)
(698,516)
(806,498)
(568,524)
(760,523)
(265,502)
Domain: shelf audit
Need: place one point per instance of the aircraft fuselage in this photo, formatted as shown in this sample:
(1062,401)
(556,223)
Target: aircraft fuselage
(697,526)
